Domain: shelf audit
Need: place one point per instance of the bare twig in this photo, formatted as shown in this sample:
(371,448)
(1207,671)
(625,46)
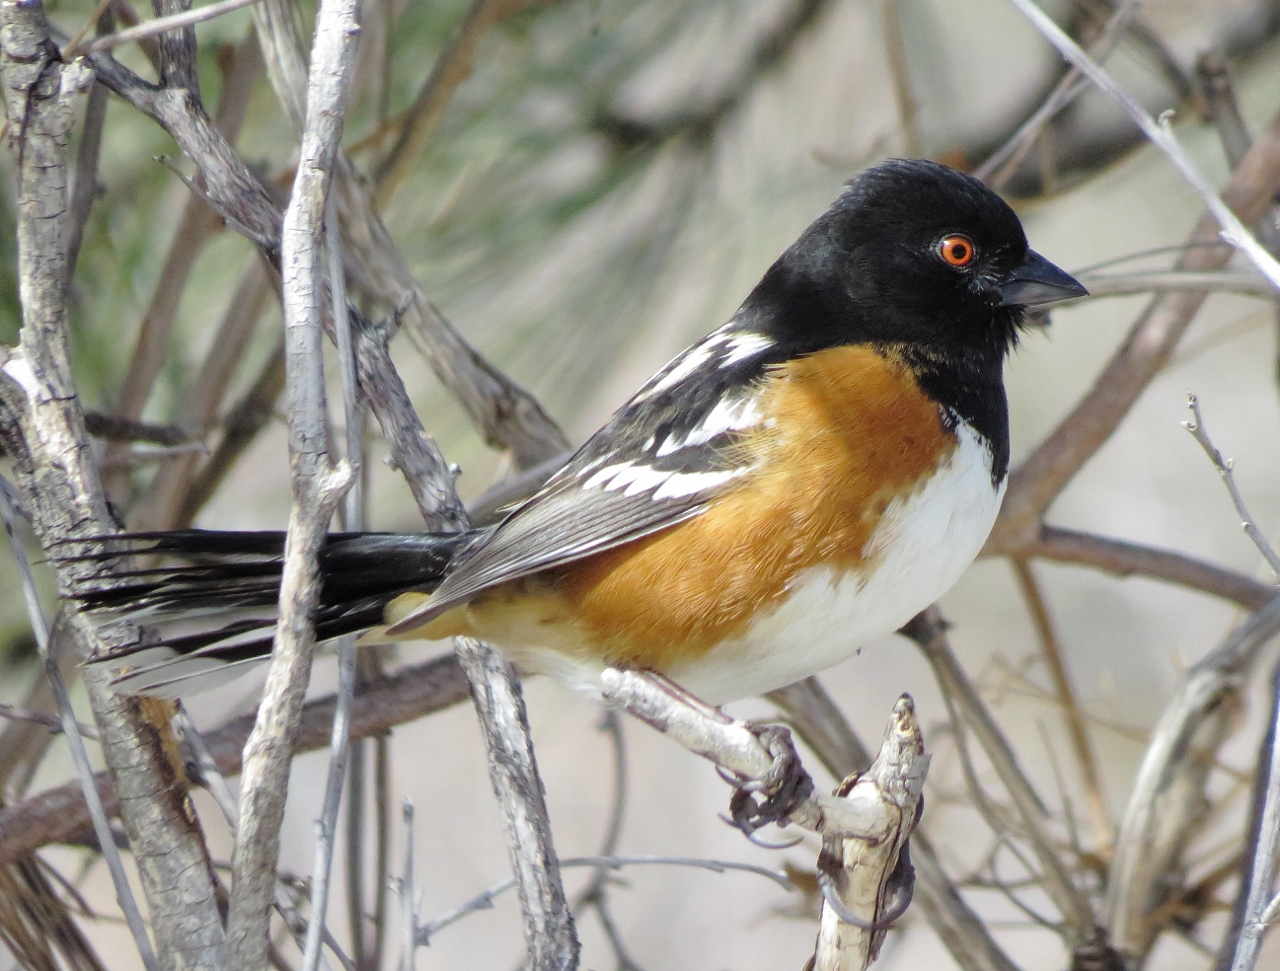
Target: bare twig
(408,898)
(1052,653)
(730,744)
(484,900)
(318,485)
(817,720)
(452,67)
(595,894)
(58,814)
(895,50)
(153,28)
(1221,105)
(1211,281)
(1225,469)
(1000,167)
(339,747)
(84,187)
(1123,558)
(928,631)
(50,722)
(244,421)
(1219,95)
(550,938)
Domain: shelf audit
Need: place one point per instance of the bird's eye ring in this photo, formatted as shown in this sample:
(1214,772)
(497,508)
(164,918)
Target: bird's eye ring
(957,250)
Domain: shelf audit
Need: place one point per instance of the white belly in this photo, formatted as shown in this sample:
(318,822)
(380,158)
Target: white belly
(923,544)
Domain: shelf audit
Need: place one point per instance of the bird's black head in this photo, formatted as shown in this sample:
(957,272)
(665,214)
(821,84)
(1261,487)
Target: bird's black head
(912,254)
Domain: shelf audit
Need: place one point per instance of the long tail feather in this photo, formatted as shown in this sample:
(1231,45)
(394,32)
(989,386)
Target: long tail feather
(214,611)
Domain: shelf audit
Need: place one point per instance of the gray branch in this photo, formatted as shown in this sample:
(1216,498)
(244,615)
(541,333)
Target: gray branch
(318,485)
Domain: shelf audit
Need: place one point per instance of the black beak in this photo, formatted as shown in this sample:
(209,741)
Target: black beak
(1037,281)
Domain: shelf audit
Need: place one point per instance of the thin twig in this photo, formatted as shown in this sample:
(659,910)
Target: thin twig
(595,894)
(50,722)
(1225,469)
(84,186)
(58,814)
(1210,281)
(928,631)
(1000,167)
(153,28)
(1125,559)
(408,898)
(551,941)
(423,117)
(895,50)
(1052,653)
(484,900)
(340,746)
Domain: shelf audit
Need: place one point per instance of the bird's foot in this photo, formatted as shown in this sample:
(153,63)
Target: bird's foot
(772,796)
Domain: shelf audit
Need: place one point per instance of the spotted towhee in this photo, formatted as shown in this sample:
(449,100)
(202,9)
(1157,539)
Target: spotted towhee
(805,478)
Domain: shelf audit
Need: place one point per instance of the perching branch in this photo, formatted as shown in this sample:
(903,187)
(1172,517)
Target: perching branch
(869,878)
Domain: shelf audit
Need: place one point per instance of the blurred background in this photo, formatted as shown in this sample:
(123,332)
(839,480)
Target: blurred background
(603,188)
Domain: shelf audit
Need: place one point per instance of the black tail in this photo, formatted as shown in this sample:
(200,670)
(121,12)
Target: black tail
(215,610)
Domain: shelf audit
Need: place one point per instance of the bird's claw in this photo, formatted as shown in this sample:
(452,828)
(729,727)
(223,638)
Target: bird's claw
(774,795)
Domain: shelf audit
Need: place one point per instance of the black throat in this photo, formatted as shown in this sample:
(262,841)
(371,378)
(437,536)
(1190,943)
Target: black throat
(971,390)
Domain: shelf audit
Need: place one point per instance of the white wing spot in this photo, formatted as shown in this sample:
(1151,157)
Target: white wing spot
(636,480)
(728,415)
(688,483)
(742,345)
(680,369)
(600,480)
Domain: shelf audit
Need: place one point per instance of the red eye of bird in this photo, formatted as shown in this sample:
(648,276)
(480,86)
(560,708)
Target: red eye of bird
(957,250)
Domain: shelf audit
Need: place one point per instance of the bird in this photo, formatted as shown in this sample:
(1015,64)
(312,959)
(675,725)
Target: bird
(805,478)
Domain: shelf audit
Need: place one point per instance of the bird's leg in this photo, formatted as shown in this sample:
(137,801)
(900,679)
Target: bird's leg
(768,797)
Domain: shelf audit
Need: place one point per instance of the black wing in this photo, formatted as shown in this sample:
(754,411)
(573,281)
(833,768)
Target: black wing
(661,458)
